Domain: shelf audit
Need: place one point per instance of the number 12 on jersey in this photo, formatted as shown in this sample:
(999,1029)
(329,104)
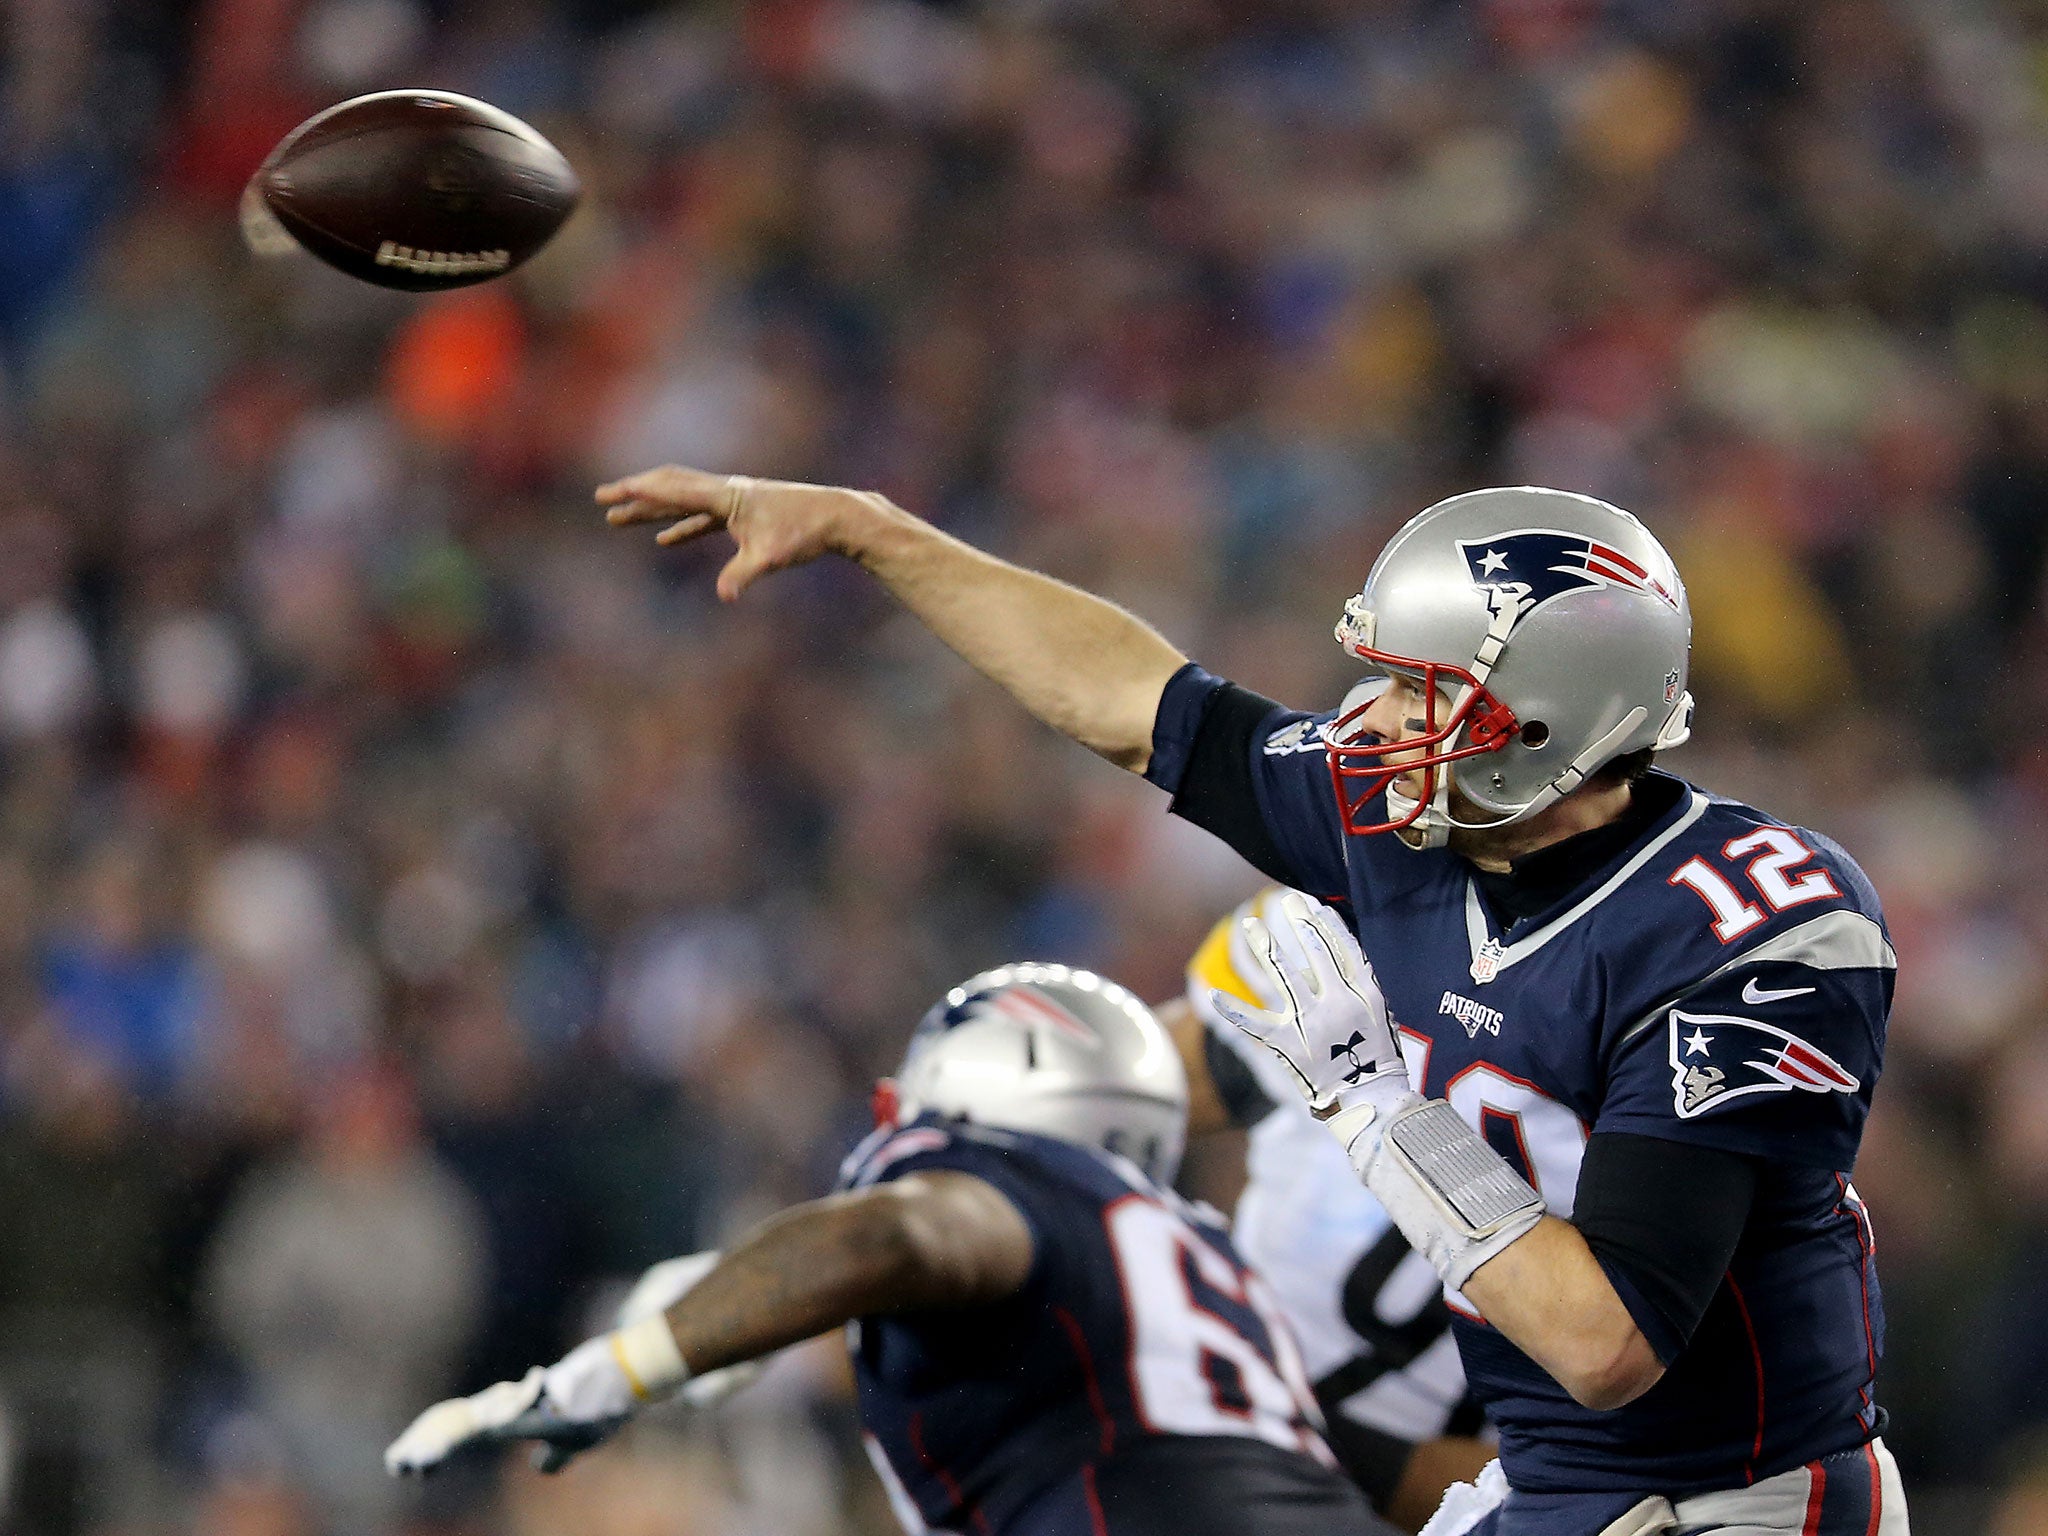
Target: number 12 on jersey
(1775,854)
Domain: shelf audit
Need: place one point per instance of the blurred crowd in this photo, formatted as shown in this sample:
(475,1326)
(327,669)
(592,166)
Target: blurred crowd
(420,908)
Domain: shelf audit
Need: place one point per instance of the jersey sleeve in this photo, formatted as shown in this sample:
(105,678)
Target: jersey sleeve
(927,1148)
(1254,774)
(1774,1054)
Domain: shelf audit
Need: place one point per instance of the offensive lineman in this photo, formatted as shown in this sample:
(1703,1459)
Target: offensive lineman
(1046,1341)
(1364,1307)
(1650,1021)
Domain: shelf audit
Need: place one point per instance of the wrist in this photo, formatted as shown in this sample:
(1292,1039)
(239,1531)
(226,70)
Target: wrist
(646,1353)
(1359,1117)
(871,529)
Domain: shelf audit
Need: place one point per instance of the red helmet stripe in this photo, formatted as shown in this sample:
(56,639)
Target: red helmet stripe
(1031,1006)
(1607,554)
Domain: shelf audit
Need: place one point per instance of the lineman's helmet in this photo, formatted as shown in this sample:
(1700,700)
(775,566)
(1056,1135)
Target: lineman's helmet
(1054,1051)
(1549,633)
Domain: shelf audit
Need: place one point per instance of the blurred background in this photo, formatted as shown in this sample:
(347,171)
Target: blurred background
(419,908)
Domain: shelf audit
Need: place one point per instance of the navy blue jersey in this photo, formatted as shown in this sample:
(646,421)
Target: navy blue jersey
(1138,1324)
(1723,981)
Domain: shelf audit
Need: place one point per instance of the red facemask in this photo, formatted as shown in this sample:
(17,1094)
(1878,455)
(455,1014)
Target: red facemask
(1359,769)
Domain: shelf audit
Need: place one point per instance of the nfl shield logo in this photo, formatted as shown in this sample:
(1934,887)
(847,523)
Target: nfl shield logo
(1486,964)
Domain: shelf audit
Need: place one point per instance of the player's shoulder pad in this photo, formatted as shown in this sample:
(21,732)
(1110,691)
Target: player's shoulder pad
(1778,977)
(1002,1156)
(1773,1027)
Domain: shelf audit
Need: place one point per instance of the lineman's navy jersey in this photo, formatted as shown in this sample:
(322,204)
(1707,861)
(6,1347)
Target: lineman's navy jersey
(1138,1325)
(1724,981)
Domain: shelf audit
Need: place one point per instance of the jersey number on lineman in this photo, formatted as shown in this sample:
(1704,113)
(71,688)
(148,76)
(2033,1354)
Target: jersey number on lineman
(1193,1371)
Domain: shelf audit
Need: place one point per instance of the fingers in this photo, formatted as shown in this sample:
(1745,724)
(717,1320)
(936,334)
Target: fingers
(1325,946)
(449,1426)
(1264,954)
(1294,958)
(691,527)
(740,572)
(673,486)
(1260,1025)
(1254,1022)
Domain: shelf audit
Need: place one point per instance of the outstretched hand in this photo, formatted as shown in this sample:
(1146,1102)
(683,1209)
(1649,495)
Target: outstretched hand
(508,1411)
(775,523)
(579,1401)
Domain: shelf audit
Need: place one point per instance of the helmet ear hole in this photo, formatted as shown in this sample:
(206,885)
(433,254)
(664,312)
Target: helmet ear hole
(1535,735)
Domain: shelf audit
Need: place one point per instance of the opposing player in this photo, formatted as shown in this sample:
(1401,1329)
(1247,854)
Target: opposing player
(1046,1340)
(1667,1009)
(1375,1333)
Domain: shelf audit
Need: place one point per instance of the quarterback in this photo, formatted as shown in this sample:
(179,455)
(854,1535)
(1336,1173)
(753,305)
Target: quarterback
(1046,1340)
(1629,1031)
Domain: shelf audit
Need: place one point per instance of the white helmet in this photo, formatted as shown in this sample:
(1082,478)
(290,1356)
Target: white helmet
(1549,633)
(1054,1051)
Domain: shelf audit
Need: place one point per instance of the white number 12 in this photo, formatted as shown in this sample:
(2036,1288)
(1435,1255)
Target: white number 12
(1777,852)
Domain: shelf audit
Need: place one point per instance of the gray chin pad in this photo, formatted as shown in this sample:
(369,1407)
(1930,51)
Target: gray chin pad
(1473,1181)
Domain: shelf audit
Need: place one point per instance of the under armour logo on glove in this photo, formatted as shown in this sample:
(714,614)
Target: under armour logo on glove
(1331,1029)
(1350,1049)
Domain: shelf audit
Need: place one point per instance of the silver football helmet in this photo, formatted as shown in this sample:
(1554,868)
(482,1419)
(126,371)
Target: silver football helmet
(1055,1051)
(1549,634)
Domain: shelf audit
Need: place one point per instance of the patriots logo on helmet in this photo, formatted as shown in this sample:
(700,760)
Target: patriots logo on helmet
(1717,1059)
(1028,1006)
(1534,566)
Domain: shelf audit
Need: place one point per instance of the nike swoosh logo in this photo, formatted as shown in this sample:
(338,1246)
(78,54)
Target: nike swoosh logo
(1752,993)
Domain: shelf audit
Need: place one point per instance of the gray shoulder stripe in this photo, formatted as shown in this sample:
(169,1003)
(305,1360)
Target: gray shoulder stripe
(1840,940)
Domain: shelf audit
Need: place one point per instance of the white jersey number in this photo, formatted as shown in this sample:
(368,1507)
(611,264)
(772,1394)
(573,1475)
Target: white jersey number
(1542,1139)
(1774,853)
(1192,1372)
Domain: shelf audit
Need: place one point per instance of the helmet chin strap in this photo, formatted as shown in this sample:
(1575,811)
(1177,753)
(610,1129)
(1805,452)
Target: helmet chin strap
(1431,828)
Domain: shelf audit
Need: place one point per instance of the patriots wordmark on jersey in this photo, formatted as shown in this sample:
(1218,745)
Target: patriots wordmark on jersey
(1375,1332)
(1716,979)
(1143,1382)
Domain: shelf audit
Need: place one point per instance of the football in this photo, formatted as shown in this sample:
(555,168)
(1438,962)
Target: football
(420,190)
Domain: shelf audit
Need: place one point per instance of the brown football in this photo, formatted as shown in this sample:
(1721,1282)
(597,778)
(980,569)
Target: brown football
(418,189)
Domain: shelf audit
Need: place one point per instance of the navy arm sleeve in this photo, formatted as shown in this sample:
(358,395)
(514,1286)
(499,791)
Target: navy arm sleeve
(1251,772)
(1664,1256)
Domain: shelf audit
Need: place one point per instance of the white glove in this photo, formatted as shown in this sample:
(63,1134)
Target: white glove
(662,1287)
(578,1402)
(1453,1197)
(1333,1033)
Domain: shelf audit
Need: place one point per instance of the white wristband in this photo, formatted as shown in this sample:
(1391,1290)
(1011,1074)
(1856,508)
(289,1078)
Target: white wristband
(646,1351)
(1454,1198)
